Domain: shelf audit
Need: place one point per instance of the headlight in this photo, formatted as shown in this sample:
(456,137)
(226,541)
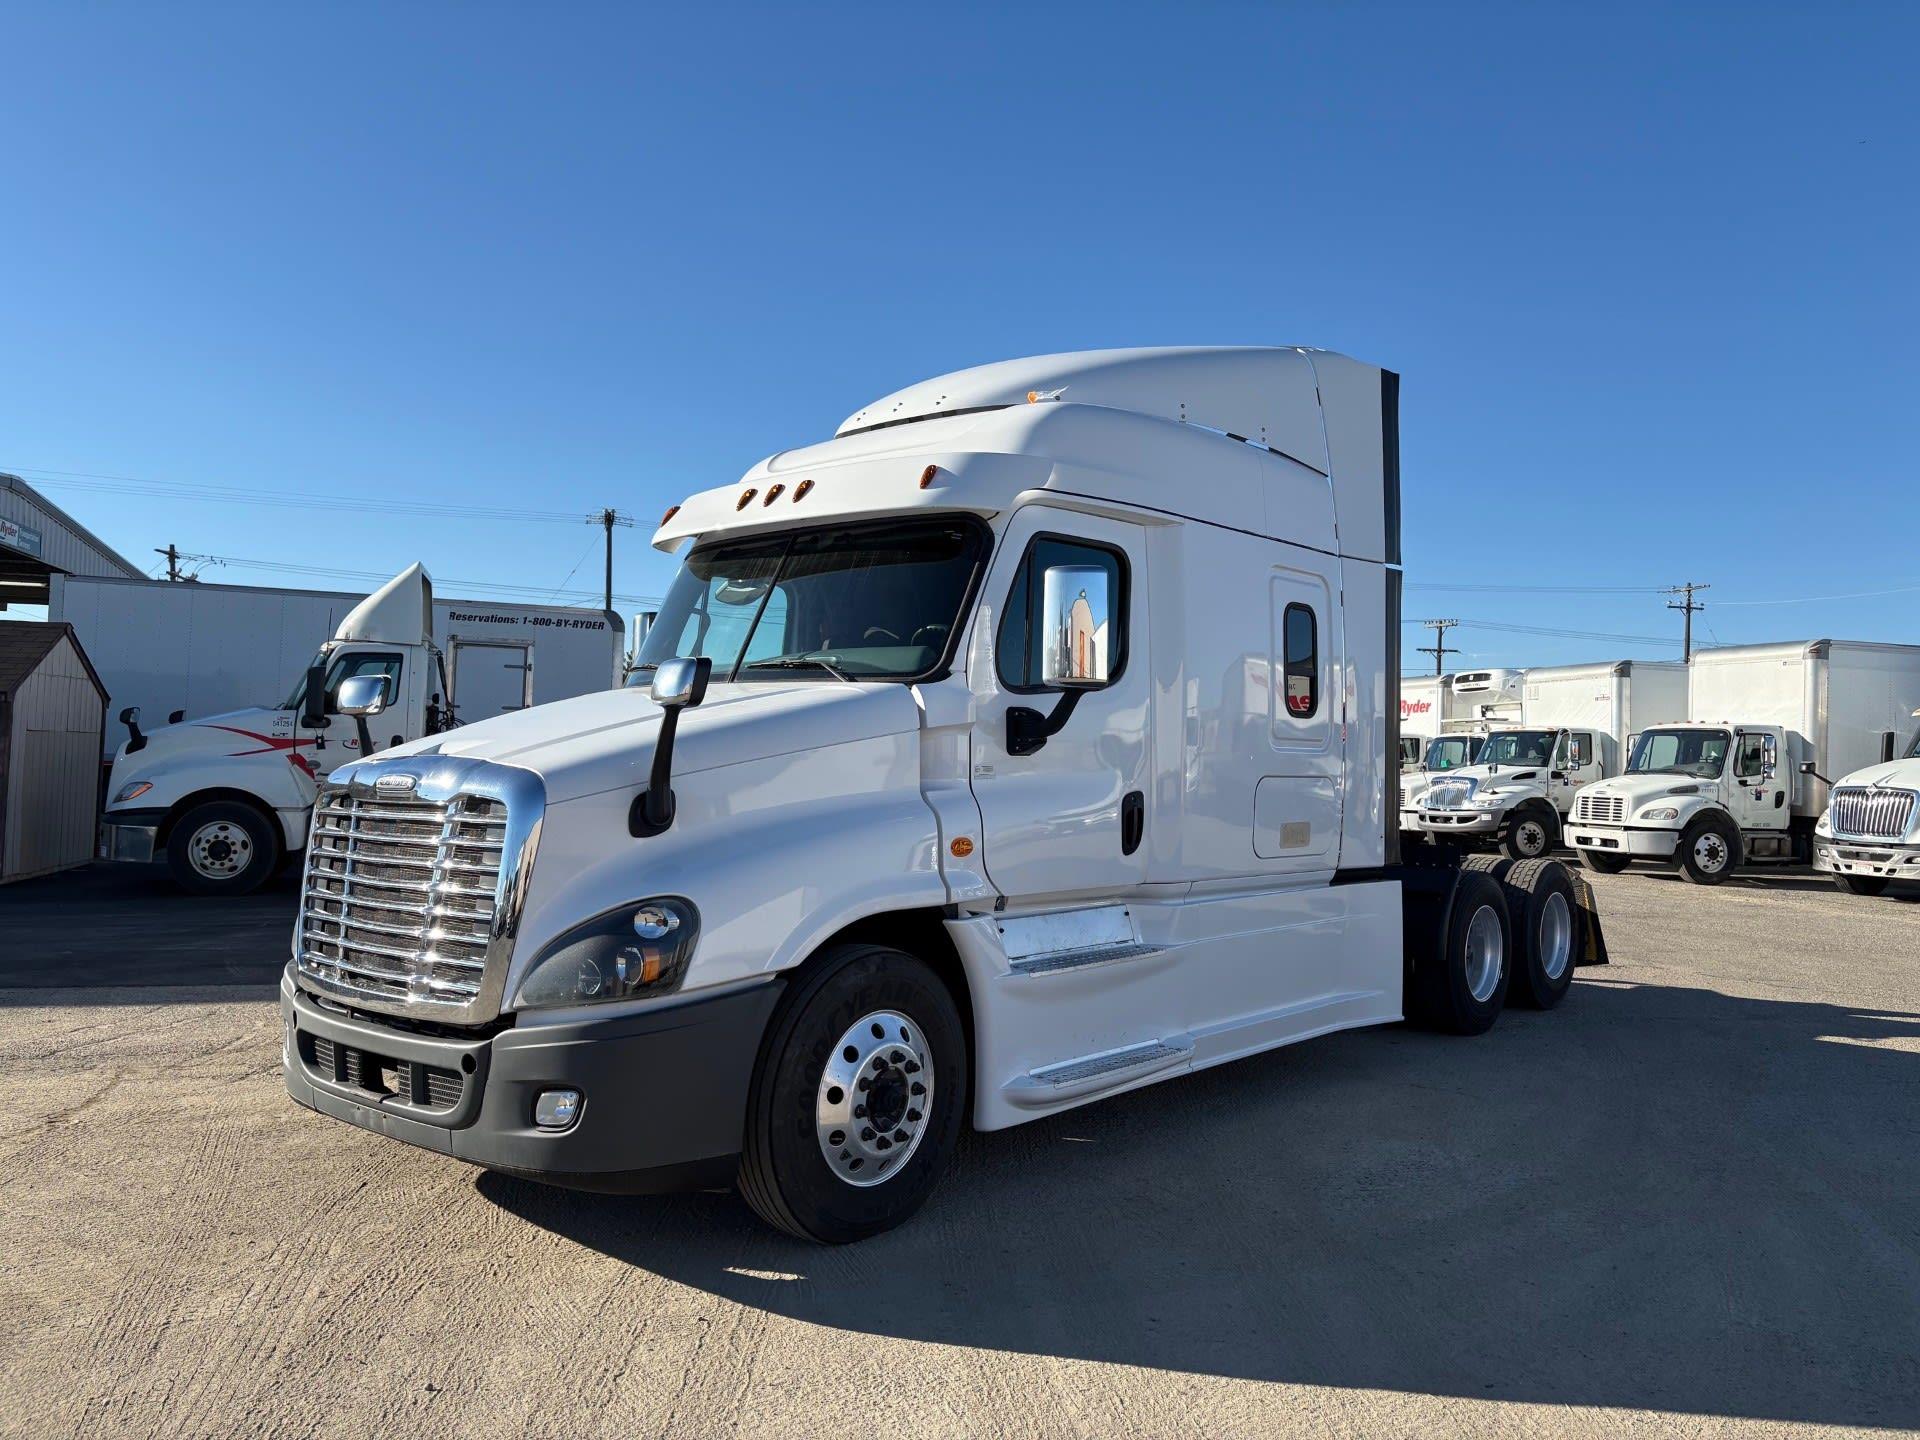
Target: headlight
(639,949)
(1660,812)
(1495,801)
(132,790)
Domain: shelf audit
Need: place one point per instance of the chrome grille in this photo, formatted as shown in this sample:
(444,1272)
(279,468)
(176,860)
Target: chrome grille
(1448,796)
(1871,814)
(1603,809)
(400,896)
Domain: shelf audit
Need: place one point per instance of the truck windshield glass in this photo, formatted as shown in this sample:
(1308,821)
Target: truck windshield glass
(1449,752)
(847,602)
(1518,747)
(1699,753)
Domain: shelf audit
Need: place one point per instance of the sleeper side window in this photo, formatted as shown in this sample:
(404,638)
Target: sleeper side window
(1301,636)
(1017,649)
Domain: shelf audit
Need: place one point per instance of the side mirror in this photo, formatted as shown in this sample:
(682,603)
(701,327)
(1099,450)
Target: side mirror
(1077,639)
(677,685)
(361,696)
(1806,767)
(681,683)
(130,717)
(313,704)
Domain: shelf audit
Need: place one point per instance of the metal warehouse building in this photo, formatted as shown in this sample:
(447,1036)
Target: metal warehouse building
(38,539)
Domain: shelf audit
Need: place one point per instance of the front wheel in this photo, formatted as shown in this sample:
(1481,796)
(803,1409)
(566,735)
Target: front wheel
(1532,832)
(1709,850)
(1862,884)
(858,1097)
(223,848)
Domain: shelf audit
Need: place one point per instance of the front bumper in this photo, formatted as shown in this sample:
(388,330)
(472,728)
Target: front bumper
(1891,859)
(129,835)
(1640,843)
(664,1091)
(1459,822)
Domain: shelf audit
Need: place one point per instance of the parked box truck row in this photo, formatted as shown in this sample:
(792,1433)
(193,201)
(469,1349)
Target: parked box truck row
(1746,777)
(225,797)
(1030,741)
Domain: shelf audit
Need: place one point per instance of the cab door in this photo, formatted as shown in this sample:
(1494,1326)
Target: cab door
(341,734)
(1759,795)
(1576,762)
(1067,818)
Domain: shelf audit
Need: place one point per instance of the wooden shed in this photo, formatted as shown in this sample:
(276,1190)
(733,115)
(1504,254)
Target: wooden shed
(53,712)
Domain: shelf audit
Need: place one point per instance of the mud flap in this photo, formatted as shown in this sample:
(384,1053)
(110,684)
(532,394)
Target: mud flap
(1594,952)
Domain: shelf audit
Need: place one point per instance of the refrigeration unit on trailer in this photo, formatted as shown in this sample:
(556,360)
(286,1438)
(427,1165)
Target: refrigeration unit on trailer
(1869,834)
(1745,779)
(225,798)
(1029,741)
(1573,729)
(1425,701)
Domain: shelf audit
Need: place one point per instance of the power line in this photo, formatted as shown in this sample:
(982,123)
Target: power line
(607,519)
(1558,633)
(1544,589)
(536,592)
(1688,607)
(1439,650)
(1813,599)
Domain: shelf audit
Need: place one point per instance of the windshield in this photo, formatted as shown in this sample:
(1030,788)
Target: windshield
(1913,746)
(851,602)
(1699,753)
(1449,752)
(1517,747)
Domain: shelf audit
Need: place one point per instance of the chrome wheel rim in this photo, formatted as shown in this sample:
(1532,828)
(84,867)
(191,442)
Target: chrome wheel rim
(1556,937)
(1710,854)
(1486,949)
(874,1099)
(1530,837)
(220,850)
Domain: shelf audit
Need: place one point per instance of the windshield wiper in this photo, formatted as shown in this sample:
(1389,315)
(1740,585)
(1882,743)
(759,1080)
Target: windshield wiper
(808,661)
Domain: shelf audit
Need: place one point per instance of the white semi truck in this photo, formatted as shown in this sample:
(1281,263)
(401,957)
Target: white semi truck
(943,794)
(1573,728)
(1742,781)
(1869,834)
(224,799)
(1451,724)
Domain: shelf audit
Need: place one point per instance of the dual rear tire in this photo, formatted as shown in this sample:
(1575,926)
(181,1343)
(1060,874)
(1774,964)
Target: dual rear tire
(1512,935)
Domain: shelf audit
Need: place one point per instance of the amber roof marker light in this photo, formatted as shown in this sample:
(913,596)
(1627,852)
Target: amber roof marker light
(773,494)
(746,498)
(800,490)
(927,475)
(672,510)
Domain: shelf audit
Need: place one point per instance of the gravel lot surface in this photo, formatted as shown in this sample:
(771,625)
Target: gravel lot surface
(1687,1202)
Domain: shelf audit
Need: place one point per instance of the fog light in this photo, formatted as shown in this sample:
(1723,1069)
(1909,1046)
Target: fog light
(556,1109)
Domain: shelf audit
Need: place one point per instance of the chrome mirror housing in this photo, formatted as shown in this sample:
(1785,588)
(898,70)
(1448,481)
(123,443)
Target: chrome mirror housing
(1078,637)
(363,695)
(680,683)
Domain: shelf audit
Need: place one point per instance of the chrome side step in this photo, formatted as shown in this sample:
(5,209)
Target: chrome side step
(1054,961)
(1086,1074)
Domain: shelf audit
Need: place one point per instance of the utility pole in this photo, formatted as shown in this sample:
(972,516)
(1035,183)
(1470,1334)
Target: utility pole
(1687,607)
(607,519)
(172,552)
(1439,650)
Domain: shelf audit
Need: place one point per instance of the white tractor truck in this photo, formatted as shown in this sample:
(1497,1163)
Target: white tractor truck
(1743,781)
(1869,834)
(1030,741)
(225,800)
(1574,724)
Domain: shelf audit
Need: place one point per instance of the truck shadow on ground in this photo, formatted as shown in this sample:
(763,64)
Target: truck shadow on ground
(1799,881)
(1655,1197)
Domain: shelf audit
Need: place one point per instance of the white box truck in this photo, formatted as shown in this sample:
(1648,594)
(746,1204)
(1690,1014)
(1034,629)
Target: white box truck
(1573,728)
(223,799)
(1741,781)
(1869,834)
(944,793)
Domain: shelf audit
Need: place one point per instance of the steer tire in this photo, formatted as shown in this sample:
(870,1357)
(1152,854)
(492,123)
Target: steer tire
(785,1171)
(223,848)
(1862,884)
(1547,936)
(1701,836)
(1459,987)
(1532,832)
(1605,862)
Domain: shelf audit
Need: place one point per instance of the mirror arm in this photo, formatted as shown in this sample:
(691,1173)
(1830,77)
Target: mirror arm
(652,810)
(1028,730)
(366,740)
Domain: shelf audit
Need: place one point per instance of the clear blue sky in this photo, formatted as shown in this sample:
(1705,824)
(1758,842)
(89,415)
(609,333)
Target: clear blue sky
(1649,276)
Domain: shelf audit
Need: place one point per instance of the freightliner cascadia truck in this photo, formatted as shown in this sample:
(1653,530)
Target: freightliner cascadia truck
(1030,741)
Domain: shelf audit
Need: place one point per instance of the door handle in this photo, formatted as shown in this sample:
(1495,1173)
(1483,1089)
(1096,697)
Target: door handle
(1133,821)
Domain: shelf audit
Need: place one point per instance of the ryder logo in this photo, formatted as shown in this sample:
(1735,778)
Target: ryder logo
(1409,708)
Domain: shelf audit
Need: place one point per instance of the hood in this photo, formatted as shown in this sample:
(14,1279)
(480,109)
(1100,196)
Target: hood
(256,730)
(604,740)
(1485,775)
(1895,774)
(1637,788)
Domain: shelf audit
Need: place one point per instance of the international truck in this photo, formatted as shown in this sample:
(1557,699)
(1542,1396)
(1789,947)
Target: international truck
(1743,781)
(1869,834)
(224,800)
(1452,714)
(1028,742)
(1573,728)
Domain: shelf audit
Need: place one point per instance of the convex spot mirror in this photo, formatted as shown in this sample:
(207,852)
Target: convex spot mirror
(1077,641)
(361,695)
(680,683)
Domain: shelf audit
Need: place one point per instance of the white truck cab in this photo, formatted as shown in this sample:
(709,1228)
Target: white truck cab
(1028,742)
(1742,781)
(1869,834)
(225,799)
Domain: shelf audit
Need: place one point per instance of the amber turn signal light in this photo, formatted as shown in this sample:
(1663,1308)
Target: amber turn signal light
(961,847)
